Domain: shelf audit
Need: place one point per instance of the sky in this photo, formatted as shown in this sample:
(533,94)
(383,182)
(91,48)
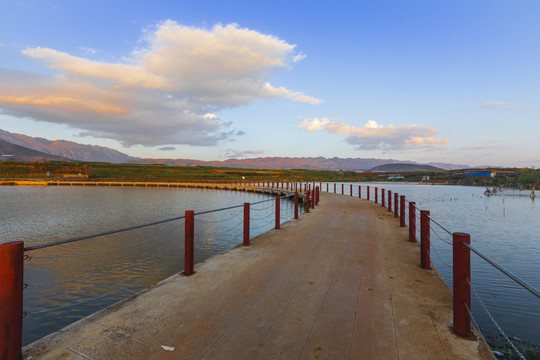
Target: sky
(454,81)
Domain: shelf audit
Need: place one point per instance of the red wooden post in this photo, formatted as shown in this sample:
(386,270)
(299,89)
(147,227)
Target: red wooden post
(359,191)
(351,189)
(368,193)
(246,223)
(307,201)
(278,215)
(189,246)
(402,210)
(389,200)
(425,260)
(313,199)
(342,189)
(461,284)
(296,204)
(334,188)
(412,221)
(396,201)
(382,197)
(326,187)
(11,299)
(317,195)
(376,195)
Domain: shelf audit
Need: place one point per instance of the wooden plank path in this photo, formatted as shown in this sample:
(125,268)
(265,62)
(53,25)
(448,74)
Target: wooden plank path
(342,282)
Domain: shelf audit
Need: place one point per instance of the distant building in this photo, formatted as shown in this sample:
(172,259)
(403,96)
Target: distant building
(507,173)
(478,173)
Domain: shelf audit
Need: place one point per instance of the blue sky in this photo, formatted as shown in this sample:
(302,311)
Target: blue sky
(427,81)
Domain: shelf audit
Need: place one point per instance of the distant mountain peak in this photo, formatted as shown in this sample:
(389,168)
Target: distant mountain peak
(67,149)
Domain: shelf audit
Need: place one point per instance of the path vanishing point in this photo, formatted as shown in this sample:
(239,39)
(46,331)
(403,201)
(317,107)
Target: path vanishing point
(342,282)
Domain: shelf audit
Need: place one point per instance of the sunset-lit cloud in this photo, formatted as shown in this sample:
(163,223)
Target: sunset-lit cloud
(374,136)
(165,92)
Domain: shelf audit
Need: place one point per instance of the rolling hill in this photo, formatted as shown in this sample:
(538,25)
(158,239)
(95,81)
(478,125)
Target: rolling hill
(21,153)
(67,149)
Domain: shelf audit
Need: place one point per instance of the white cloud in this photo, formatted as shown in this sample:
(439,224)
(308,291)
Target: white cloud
(493,103)
(241,153)
(88,50)
(166,92)
(499,105)
(375,136)
(299,57)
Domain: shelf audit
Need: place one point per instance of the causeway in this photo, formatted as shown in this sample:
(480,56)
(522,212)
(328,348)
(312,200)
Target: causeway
(341,282)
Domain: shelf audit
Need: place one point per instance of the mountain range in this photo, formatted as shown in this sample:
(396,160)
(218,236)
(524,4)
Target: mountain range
(93,153)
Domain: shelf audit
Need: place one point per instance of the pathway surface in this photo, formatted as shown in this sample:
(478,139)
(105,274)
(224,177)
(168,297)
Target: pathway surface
(342,282)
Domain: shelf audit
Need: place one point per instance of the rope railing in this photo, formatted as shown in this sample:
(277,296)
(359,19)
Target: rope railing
(499,328)
(91,236)
(506,272)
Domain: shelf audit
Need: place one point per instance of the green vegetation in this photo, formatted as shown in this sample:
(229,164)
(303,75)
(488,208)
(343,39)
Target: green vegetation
(10,170)
(150,172)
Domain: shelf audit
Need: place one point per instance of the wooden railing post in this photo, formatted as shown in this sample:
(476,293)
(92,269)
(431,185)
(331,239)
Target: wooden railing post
(402,211)
(367,193)
(359,191)
(189,247)
(389,200)
(461,284)
(412,221)
(334,188)
(313,199)
(317,195)
(351,190)
(296,204)
(246,223)
(278,215)
(425,260)
(376,195)
(342,189)
(11,299)
(382,197)
(396,201)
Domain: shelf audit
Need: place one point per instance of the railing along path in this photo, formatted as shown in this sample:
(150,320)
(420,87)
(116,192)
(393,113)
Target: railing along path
(14,254)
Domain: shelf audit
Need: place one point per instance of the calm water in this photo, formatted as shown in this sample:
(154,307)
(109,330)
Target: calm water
(505,228)
(71,281)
